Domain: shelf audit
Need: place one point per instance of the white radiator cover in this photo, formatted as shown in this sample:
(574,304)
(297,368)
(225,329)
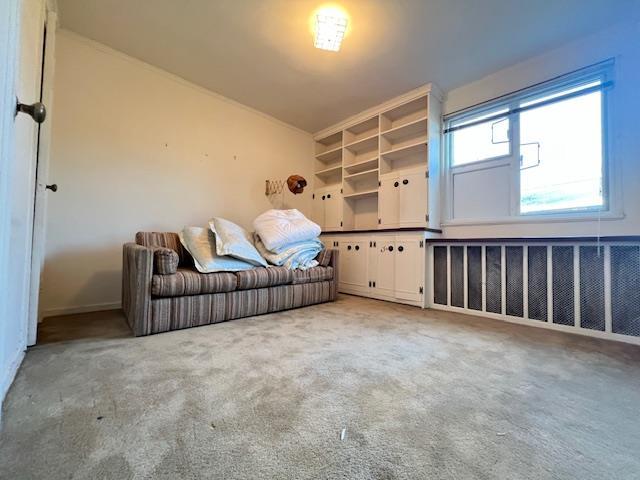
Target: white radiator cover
(588,288)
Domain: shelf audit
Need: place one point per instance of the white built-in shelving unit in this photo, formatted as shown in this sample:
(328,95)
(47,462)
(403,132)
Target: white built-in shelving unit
(379,169)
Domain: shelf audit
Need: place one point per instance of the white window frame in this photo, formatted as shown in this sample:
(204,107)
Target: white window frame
(612,208)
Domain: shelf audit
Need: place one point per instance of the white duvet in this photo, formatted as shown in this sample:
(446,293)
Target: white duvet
(279,228)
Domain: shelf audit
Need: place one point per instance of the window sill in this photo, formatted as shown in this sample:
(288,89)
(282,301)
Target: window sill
(550,218)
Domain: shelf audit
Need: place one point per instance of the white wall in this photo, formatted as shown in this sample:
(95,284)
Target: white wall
(620,42)
(135,148)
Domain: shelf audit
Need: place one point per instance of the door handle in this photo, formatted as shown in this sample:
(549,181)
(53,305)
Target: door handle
(53,187)
(37,110)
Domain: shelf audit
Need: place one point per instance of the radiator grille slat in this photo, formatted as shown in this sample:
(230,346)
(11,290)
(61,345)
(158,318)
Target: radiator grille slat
(563,285)
(537,282)
(457,276)
(592,288)
(474,275)
(515,298)
(625,290)
(440,280)
(493,267)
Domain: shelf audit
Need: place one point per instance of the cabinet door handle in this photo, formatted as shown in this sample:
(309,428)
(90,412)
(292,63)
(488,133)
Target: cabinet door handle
(329,196)
(348,247)
(323,197)
(357,247)
(405,181)
(395,184)
(400,248)
(391,248)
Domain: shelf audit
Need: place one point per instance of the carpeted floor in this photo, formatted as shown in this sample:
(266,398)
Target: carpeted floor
(420,394)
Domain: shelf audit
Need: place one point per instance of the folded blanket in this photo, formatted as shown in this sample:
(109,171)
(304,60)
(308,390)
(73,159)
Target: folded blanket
(278,228)
(296,255)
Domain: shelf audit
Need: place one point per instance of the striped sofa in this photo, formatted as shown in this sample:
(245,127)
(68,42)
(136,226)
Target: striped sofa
(162,290)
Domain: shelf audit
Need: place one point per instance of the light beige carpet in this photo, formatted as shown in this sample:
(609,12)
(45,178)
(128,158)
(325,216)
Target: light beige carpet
(420,394)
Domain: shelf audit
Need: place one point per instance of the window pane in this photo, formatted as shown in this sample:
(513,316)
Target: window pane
(480,142)
(561,155)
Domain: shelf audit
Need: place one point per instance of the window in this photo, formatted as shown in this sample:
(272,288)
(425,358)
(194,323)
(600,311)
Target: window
(540,151)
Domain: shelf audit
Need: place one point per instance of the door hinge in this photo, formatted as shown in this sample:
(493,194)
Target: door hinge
(421,243)
(379,221)
(421,290)
(426,217)
(340,223)
(426,174)
(313,196)
(340,190)
(379,183)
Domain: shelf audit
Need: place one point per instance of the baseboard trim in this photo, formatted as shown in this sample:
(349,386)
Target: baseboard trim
(96,307)
(9,377)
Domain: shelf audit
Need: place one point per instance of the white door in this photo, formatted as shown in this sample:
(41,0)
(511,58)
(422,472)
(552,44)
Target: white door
(317,209)
(413,198)
(409,260)
(353,263)
(385,252)
(388,202)
(23,169)
(332,209)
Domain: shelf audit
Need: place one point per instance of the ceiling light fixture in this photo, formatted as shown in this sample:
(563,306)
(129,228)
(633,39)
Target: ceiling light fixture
(330,28)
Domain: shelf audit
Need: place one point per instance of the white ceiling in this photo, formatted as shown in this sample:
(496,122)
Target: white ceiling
(260,52)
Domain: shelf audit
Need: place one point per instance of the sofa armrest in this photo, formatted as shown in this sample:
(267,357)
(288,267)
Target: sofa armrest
(334,263)
(137,269)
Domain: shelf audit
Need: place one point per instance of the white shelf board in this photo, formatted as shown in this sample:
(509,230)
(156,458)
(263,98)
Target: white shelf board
(367,143)
(363,194)
(330,170)
(406,150)
(329,154)
(359,175)
(407,130)
(362,164)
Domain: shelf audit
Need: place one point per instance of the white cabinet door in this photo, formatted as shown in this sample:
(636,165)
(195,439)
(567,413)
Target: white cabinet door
(332,209)
(409,268)
(317,209)
(413,198)
(385,252)
(353,264)
(388,202)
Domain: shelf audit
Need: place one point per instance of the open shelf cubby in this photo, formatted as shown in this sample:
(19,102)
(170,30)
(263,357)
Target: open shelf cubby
(360,131)
(361,212)
(405,113)
(361,166)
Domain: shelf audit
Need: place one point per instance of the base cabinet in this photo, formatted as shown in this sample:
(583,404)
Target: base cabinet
(384,266)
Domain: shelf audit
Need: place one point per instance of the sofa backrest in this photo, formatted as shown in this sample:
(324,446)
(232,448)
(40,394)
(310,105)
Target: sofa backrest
(166,240)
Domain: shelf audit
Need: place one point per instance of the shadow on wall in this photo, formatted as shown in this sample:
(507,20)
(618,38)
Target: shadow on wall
(86,273)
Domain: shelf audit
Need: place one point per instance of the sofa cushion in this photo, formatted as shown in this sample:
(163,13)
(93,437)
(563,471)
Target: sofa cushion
(189,282)
(264,277)
(165,261)
(312,275)
(166,240)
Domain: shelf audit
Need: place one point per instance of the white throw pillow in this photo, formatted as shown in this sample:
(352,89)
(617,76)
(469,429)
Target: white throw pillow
(201,244)
(232,239)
